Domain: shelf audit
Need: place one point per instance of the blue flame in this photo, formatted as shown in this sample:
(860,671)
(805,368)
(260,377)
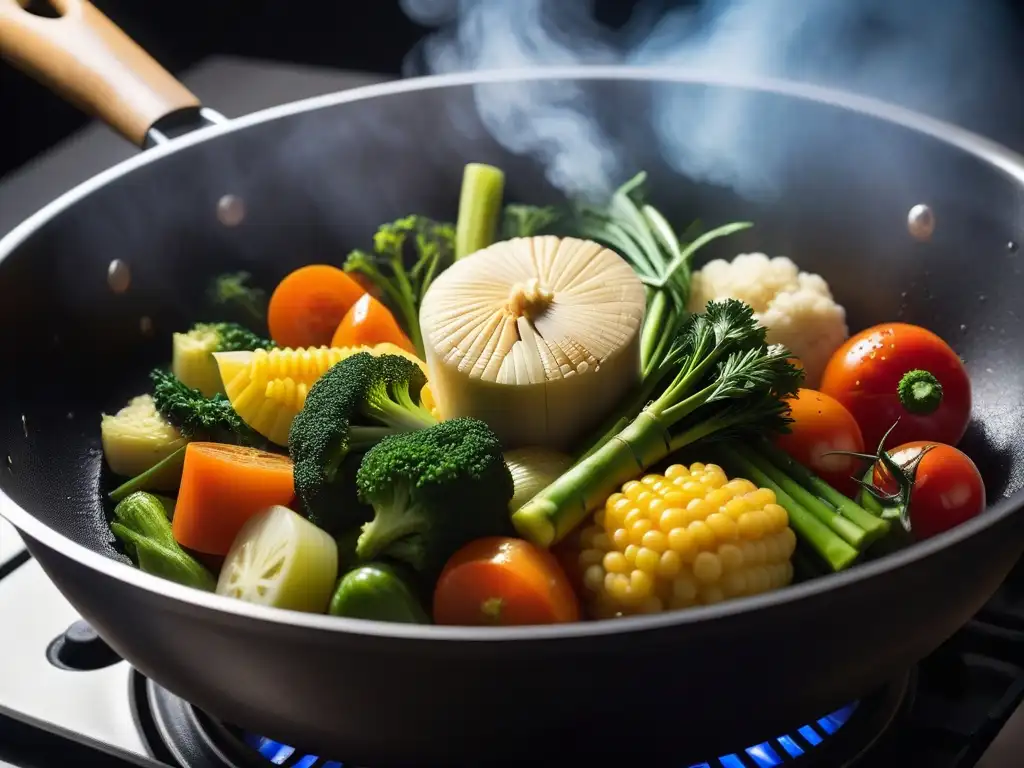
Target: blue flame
(776,752)
(768,754)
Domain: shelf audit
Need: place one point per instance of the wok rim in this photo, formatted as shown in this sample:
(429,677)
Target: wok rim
(985,150)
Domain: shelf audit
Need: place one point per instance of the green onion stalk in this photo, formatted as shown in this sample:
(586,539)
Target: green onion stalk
(727,381)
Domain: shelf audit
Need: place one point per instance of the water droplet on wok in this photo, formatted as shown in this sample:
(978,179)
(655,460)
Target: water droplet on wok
(1012,246)
(24,425)
(119,276)
(230,210)
(921,222)
(963,328)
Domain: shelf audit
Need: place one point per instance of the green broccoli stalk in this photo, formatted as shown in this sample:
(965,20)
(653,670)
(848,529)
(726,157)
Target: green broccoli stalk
(349,409)
(407,255)
(198,417)
(432,491)
(232,292)
(192,358)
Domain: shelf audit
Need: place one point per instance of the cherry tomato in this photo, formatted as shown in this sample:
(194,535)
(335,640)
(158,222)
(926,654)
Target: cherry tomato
(367,323)
(864,374)
(503,581)
(946,489)
(820,425)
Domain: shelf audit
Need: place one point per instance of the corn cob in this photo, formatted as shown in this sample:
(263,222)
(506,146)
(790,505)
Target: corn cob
(687,537)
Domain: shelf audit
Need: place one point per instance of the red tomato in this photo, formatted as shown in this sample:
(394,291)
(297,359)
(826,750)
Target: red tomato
(947,487)
(864,374)
(820,425)
(503,581)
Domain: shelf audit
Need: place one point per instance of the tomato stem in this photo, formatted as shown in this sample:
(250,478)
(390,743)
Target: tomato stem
(920,392)
(491,609)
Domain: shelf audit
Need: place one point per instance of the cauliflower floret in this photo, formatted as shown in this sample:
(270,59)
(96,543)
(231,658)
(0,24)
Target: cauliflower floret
(796,307)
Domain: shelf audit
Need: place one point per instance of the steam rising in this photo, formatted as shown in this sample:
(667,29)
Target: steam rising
(948,58)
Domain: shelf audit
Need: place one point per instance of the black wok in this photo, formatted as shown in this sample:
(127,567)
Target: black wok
(316,179)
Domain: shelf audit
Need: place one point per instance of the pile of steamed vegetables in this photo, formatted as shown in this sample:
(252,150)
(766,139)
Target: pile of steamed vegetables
(536,415)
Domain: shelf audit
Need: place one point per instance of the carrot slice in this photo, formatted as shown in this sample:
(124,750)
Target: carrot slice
(503,581)
(222,486)
(368,323)
(307,306)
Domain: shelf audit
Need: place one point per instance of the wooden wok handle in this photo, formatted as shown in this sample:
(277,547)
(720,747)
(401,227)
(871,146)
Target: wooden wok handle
(87,59)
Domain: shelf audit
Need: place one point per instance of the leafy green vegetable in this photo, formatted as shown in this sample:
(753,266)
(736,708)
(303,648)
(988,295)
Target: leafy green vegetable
(407,255)
(432,491)
(163,474)
(201,418)
(379,592)
(529,220)
(232,292)
(143,528)
(359,401)
(720,380)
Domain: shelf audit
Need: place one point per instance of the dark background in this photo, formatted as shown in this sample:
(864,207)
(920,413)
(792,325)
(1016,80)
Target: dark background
(367,35)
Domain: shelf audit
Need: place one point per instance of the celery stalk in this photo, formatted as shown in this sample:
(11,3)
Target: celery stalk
(483,188)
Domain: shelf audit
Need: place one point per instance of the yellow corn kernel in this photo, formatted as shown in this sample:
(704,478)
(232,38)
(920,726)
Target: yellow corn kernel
(614,500)
(683,544)
(676,498)
(655,540)
(676,471)
(687,537)
(673,517)
(647,560)
(655,508)
(638,529)
(724,527)
(632,489)
(615,562)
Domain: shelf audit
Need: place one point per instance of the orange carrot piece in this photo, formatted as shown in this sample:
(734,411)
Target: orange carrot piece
(503,581)
(368,323)
(307,306)
(222,486)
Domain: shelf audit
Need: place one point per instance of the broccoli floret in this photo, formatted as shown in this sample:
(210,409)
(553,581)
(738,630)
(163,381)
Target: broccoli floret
(359,401)
(407,255)
(432,491)
(232,337)
(198,417)
(192,358)
(232,291)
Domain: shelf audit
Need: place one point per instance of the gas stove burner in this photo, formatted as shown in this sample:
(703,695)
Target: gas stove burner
(178,734)
(841,739)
